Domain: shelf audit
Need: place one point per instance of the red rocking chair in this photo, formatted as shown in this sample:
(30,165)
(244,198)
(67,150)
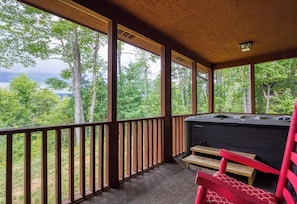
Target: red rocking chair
(221,188)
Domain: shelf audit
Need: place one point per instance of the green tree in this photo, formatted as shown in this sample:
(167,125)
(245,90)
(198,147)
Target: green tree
(202,92)
(275,86)
(181,78)
(26,104)
(135,86)
(24,34)
(10,109)
(232,90)
(28,34)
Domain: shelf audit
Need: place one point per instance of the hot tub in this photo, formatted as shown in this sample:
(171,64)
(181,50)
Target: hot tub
(264,135)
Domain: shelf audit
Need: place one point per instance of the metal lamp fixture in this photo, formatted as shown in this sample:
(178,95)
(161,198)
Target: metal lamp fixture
(246,46)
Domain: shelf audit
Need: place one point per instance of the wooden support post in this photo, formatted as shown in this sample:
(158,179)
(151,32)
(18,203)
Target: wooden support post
(252,88)
(211,91)
(194,88)
(166,102)
(113,131)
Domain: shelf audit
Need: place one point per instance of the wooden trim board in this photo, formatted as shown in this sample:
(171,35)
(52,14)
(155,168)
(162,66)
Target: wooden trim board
(215,151)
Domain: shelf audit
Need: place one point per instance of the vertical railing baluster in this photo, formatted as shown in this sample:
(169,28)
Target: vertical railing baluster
(173,136)
(92,159)
(150,125)
(140,145)
(135,147)
(71,157)
(9,168)
(100,156)
(44,168)
(160,140)
(152,141)
(181,130)
(155,141)
(124,149)
(27,190)
(128,137)
(177,123)
(176,135)
(146,144)
(106,156)
(82,161)
(58,173)
(121,152)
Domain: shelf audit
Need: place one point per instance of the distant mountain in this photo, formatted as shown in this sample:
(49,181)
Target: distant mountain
(7,76)
(38,77)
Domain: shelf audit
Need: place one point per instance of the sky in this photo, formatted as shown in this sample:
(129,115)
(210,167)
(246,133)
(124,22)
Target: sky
(42,66)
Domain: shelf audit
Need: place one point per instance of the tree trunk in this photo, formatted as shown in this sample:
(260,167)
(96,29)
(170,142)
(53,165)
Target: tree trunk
(268,98)
(181,85)
(76,85)
(187,99)
(247,98)
(94,81)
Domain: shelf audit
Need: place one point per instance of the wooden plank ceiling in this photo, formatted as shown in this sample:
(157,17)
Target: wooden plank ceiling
(213,29)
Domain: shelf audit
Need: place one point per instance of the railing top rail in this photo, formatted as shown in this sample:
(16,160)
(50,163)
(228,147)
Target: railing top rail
(185,115)
(43,128)
(138,119)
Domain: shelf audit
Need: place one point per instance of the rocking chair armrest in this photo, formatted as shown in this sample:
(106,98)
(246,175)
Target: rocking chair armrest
(225,154)
(222,189)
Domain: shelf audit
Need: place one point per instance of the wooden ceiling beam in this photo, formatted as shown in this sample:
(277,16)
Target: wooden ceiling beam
(258,59)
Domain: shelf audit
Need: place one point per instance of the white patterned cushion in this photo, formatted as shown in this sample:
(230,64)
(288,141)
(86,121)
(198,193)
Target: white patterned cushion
(213,198)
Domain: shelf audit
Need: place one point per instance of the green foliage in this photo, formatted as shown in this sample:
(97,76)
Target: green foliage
(275,86)
(101,98)
(24,34)
(231,89)
(181,89)
(26,104)
(56,83)
(202,93)
(138,92)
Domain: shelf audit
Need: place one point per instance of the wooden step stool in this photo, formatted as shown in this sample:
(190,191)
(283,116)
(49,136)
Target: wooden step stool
(212,163)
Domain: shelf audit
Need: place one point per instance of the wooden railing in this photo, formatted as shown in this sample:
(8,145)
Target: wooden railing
(178,134)
(54,165)
(140,146)
(59,169)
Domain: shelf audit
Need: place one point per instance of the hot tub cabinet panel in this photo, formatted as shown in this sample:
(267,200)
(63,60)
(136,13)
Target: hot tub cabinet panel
(264,137)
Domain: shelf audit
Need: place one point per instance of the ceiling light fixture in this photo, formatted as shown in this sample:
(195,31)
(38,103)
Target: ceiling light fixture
(246,46)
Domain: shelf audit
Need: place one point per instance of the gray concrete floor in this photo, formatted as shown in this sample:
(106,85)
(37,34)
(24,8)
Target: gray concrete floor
(168,183)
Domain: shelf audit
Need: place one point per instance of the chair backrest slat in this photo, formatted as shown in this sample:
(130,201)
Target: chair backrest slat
(292,179)
(287,179)
(294,157)
(288,197)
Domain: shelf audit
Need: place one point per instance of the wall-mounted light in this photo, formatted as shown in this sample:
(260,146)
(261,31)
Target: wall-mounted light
(246,46)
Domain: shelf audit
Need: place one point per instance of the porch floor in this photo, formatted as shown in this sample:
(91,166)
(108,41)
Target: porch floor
(167,183)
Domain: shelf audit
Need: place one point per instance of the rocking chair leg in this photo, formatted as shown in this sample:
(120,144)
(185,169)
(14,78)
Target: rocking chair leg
(201,195)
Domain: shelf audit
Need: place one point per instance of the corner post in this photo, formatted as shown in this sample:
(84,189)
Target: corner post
(166,102)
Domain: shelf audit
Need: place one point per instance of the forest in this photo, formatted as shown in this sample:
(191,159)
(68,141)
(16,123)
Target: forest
(28,35)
